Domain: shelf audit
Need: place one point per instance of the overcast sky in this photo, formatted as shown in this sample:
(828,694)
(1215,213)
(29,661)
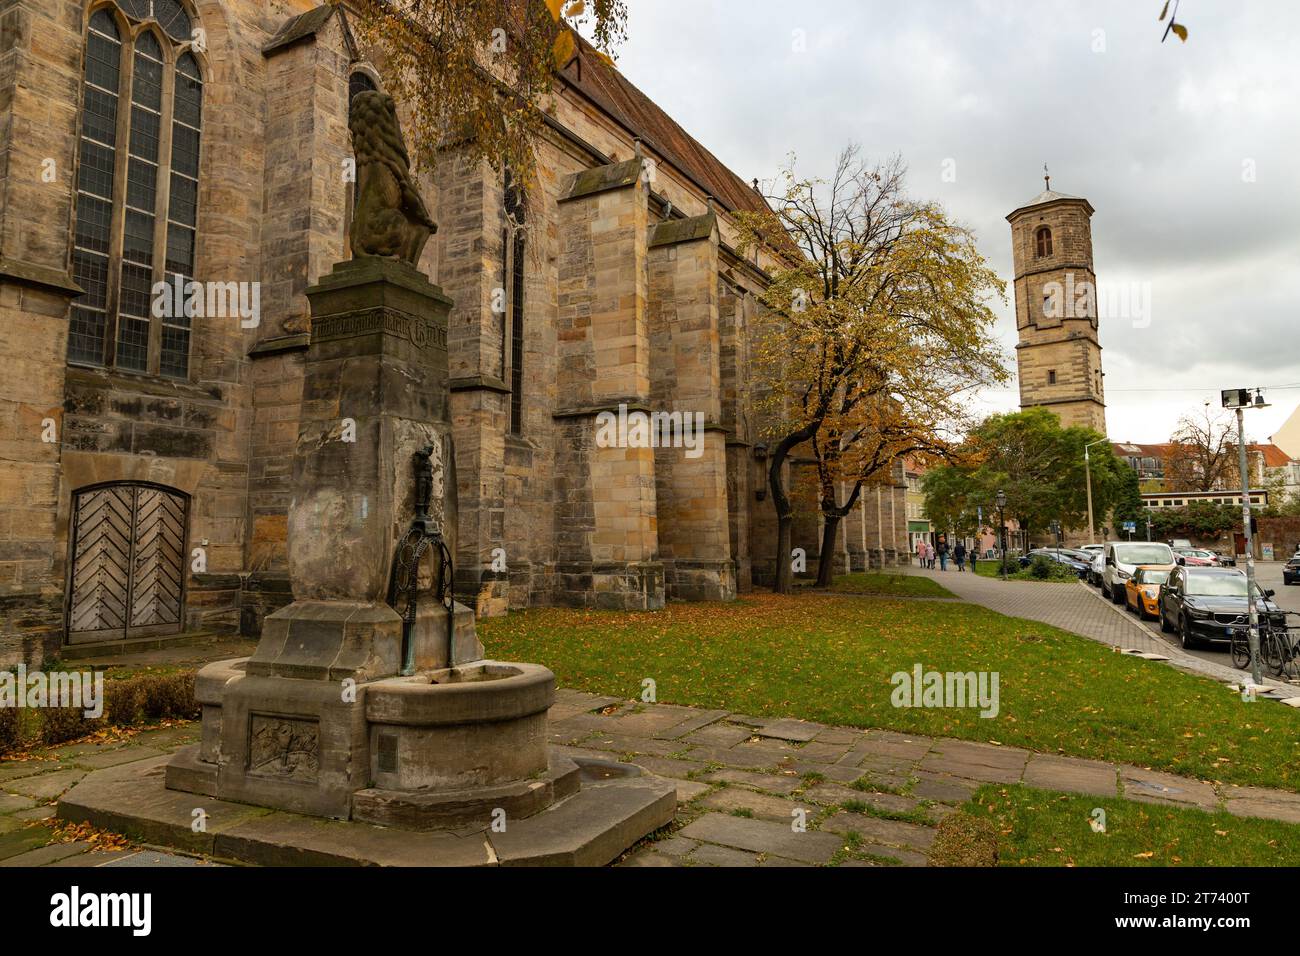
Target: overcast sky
(1162,139)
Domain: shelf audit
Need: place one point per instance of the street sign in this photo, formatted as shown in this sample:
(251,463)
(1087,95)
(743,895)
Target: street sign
(1236,397)
(1130,525)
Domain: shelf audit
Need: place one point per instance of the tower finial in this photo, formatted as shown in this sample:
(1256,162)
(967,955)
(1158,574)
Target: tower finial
(1047,178)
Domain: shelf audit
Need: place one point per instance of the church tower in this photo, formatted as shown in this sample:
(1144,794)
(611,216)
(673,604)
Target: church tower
(1058,355)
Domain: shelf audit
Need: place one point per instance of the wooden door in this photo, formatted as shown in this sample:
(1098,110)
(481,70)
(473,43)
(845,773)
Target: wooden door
(128,563)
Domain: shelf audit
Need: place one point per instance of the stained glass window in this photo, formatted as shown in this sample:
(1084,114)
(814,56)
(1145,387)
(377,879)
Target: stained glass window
(137,206)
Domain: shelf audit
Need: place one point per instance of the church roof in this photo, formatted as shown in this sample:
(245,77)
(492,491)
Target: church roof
(1046,196)
(1049,195)
(609,89)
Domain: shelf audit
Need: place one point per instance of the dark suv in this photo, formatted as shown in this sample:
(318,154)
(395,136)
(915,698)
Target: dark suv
(1209,604)
(1291,570)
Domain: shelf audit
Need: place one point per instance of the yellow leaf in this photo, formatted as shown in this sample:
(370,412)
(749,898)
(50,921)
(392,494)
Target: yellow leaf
(1144,856)
(564,48)
(1164,10)
(1180,31)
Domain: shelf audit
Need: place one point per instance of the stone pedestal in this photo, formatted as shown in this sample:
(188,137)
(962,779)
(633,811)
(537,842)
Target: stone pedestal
(289,724)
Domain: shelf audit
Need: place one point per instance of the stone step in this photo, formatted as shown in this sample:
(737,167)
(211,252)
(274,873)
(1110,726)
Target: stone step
(79,652)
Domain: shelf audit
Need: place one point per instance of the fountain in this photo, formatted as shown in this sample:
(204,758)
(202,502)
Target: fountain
(368,699)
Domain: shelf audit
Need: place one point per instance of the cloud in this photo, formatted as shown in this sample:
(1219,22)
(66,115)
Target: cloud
(1163,139)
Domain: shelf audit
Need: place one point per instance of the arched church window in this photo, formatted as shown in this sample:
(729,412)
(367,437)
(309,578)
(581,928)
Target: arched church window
(137,189)
(514,209)
(1043,240)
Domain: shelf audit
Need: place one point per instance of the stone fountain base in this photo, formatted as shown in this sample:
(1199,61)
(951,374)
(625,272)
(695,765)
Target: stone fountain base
(447,767)
(612,807)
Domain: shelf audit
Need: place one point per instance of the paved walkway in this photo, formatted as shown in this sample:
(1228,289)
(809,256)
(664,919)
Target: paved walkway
(1080,609)
(744,784)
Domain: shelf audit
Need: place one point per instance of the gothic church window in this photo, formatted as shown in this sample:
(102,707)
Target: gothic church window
(137,188)
(1043,243)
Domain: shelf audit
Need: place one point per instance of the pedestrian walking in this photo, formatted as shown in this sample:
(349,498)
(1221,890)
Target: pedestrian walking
(959,555)
(943,554)
(974,556)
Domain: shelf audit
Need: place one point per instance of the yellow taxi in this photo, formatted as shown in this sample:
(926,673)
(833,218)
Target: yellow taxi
(1142,590)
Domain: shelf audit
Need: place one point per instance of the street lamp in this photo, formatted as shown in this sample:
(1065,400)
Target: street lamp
(1001,500)
(1240,399)
(1087,471)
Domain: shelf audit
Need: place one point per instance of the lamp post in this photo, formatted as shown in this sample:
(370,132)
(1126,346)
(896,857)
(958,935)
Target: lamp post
(1239,398)
(1087,472)
(1001,499)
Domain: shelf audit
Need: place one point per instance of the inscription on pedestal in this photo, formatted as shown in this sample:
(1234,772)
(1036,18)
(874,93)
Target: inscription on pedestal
(283,747)
(420,332)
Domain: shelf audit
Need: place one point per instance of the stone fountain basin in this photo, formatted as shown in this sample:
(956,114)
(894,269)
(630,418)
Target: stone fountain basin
(484,691)
(476,725)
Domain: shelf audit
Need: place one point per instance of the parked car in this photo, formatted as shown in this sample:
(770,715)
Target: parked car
(1209,604)
(1291,570)
(1096,568)
(1142,591)
(1063,556)
(1177,543)
(1123,558)
(1196,557)
(1226,559)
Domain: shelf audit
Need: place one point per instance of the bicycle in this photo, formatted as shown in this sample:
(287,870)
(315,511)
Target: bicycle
(1279,649)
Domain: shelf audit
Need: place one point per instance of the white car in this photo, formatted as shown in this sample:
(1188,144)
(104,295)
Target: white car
(1098,566)
(1122,558)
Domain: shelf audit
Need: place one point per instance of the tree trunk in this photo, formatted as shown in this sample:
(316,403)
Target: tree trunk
(826,562)
(784,579)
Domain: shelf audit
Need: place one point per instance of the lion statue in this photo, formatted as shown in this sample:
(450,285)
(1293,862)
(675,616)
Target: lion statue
(390,217)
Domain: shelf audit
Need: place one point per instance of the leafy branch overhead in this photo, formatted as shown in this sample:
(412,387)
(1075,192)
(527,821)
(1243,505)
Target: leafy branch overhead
(480,74)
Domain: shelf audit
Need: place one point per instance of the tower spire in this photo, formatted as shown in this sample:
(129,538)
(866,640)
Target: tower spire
(1047,178)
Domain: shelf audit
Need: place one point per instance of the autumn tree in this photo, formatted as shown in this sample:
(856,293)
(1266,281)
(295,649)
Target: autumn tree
(479,73)
(881,325)
(1202,452)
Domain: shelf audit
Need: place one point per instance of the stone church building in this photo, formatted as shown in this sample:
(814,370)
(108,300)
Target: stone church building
(145,455)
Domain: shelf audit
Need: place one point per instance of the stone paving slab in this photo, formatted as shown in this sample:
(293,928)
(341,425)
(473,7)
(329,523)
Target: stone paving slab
(796,731)
(776,783)
(9,802)
(1258,802)
(700,720)
(1153,786)
(1072,775)
(894,832)
(45,786)
(729,799)
(113,758)
(718,735)
(763,836)
(44,856)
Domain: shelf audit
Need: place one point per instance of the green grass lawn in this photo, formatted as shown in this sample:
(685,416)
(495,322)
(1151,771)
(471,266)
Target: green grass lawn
(829,658)
(1046,828)
(889,585)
